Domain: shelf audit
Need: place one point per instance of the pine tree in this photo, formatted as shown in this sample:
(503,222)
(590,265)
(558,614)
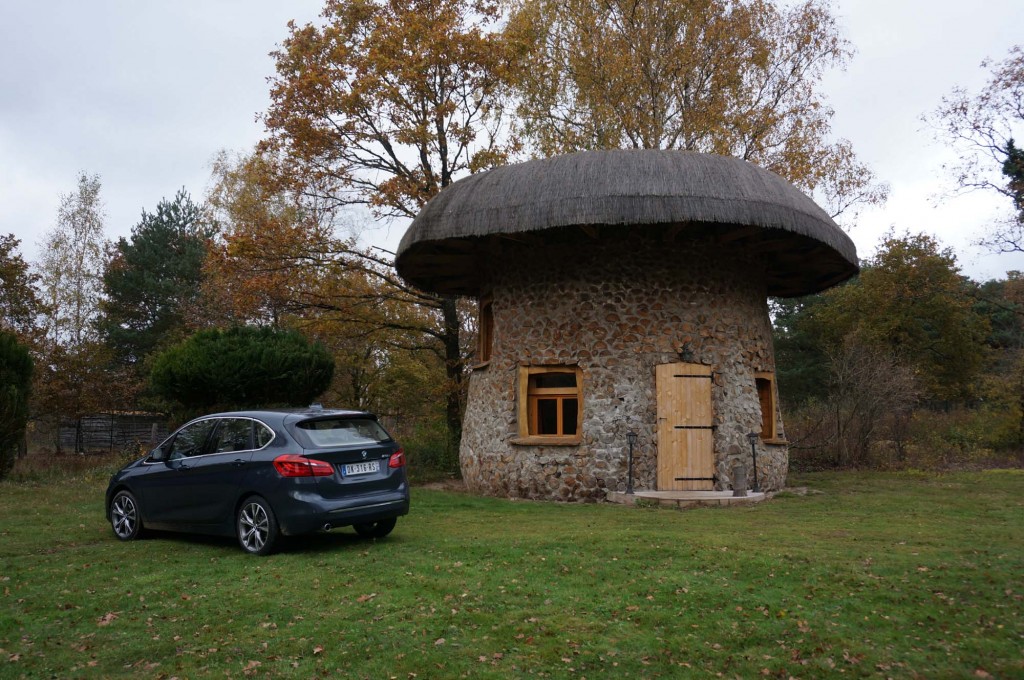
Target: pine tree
(1013,170)
(153,277)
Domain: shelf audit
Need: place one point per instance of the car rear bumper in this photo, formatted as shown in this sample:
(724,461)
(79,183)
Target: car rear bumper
(303,512)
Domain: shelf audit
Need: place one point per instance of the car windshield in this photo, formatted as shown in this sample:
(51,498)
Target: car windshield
(341,432)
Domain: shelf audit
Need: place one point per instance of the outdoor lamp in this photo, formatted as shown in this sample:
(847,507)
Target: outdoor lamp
(631,438)
(753,437)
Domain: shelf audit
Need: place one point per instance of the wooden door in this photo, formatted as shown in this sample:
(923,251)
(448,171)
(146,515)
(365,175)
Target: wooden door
(686,455)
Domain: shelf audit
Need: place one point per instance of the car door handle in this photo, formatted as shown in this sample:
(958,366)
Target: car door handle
(239,462)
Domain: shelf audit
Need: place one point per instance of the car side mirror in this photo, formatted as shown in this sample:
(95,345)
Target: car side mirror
(157,455)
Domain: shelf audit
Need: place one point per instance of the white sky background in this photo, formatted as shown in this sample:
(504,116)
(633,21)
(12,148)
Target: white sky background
(146,93)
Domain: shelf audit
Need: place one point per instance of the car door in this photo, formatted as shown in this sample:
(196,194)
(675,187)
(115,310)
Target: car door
(165,488)
(215,477)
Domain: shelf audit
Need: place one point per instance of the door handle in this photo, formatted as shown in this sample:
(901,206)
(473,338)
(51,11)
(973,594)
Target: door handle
(239,462)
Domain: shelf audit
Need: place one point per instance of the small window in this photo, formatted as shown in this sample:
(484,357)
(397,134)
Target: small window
(190,441)
(233,434)
(550,401)
(766,395)
(485,331)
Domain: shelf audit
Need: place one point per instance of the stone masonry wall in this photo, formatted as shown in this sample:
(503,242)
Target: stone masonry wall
(617,308)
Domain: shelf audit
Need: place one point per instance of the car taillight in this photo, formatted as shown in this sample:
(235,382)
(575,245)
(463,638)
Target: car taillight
(292,465)
(397,459)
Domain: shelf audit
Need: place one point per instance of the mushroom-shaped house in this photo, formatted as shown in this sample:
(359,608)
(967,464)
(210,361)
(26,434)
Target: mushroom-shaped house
(623,292)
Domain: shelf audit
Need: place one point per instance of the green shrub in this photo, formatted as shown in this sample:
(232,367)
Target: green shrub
(15,384)
(429,454)
(962,438)
(242,367)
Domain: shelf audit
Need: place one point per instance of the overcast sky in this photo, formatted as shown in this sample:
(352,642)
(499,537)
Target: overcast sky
(146,93)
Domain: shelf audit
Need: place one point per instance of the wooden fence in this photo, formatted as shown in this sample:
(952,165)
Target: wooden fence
(112,431)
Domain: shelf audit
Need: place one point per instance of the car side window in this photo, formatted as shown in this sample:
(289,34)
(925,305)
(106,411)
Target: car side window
(190,440)
(233,434)
(263,435)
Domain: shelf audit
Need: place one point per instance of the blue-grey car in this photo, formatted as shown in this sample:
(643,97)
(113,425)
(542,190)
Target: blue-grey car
(260,474)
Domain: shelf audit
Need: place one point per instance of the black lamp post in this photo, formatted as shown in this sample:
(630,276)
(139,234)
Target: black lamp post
(753,437)
(631,438)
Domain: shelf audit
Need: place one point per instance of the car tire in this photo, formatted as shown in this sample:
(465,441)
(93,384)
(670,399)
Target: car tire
(256,527)
(378,529)
(125,517)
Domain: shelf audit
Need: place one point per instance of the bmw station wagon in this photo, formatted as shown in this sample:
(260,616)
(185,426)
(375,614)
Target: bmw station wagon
(260,474)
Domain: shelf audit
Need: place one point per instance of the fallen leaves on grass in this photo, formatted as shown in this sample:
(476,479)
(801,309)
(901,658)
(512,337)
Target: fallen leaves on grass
(107,618)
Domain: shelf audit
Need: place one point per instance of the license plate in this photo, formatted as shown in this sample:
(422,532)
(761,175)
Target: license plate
(362,468)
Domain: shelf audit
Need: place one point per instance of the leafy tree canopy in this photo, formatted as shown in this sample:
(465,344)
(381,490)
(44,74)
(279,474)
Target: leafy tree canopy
(19,302)
(389,100)
(153,277)
(737,78)
(275,262)
(801,359)
(911,301)
(270,248)
(242,367)
(1001,301)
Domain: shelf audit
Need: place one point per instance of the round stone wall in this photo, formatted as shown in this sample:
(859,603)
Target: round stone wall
(616,308)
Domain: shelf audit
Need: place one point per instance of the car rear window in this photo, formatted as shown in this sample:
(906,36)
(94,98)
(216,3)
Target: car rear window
(330,432)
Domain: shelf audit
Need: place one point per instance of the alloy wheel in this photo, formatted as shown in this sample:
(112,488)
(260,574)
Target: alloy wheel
(124,516)
(254,527)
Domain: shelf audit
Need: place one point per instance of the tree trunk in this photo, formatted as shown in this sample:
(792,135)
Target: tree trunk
(453,371)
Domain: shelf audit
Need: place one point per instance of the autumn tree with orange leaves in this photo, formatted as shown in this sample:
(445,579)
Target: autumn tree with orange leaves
(736,78)
(19,300)
(270,248)
(383,105)
(389,101)
(278,262)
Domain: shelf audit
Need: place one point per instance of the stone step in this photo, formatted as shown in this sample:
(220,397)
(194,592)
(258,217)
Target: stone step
(685,499)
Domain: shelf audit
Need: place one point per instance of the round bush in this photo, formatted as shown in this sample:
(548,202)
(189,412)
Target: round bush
(242,367)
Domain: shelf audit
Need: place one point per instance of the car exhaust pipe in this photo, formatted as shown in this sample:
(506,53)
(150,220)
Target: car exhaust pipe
(327,527)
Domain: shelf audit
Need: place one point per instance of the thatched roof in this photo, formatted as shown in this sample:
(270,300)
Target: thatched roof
(641,189)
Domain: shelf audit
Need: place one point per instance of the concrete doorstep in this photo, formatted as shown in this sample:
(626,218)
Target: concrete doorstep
(686,499)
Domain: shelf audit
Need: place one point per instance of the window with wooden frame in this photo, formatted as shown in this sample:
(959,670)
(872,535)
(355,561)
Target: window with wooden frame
(485,330)
(550,404)
(766,395)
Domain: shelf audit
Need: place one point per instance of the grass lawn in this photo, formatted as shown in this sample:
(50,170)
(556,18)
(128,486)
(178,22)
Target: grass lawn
(880,575)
